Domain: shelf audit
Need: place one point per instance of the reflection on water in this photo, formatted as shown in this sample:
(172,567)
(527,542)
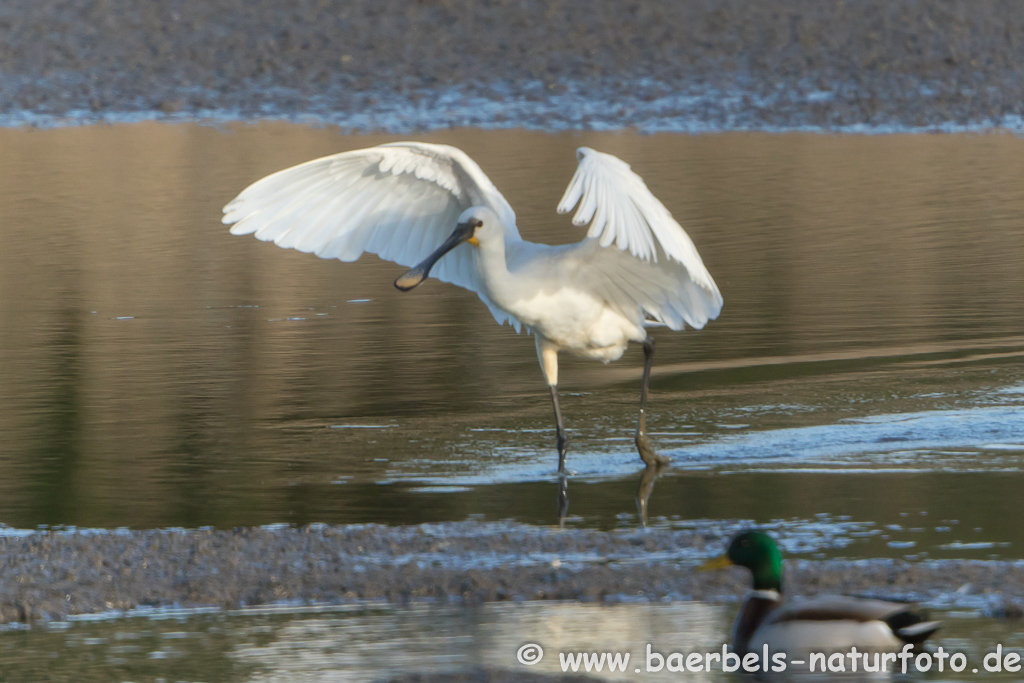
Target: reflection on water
(431,640)
(374,645)
(648,477)
(157,371)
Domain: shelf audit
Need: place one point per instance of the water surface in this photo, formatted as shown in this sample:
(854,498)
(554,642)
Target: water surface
(867,365)
(376,644)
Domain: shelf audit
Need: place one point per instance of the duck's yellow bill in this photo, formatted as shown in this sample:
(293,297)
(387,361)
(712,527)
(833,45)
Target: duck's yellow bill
(716,563)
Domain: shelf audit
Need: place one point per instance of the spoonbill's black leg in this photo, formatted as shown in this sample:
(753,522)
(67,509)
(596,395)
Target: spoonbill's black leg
(561,440)
(643,443)
(547,354)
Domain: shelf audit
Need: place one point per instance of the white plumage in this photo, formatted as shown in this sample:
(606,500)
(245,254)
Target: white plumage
(402,201)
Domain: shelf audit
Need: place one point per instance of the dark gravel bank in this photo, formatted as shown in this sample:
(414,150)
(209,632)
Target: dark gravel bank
(407,64)
(51,575)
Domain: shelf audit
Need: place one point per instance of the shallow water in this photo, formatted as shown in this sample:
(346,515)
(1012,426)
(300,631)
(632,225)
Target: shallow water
(375,644)
(866,368)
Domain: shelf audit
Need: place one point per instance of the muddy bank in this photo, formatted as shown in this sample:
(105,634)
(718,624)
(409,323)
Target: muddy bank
(398,65)
(49,575)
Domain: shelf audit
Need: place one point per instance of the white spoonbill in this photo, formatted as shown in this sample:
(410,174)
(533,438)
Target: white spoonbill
(431,207)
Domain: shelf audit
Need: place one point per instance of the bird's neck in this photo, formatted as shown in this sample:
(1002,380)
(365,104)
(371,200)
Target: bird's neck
(768,577)
(766,567)
(493,270)
(754,611)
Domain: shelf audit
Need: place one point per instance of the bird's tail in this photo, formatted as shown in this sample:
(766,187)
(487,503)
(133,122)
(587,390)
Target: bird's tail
(919,632)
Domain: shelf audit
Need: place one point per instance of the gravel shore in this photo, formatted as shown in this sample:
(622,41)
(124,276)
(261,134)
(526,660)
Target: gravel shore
(696,65)
(50,575)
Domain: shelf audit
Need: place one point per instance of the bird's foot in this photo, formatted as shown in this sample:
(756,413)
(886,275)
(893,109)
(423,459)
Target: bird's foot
(647,452)
(562,470)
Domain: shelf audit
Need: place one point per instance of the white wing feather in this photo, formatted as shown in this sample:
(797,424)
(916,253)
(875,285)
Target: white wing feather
(399,201)
(622,212)
(642,290)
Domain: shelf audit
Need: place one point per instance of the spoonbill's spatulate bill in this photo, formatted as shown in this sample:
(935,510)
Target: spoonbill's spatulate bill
(431,207)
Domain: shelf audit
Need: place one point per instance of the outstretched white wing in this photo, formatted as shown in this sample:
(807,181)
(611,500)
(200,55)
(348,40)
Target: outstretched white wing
(645,291)
(399,201)
(622,212)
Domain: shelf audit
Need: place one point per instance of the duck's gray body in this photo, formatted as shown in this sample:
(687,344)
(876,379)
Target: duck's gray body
(828,623)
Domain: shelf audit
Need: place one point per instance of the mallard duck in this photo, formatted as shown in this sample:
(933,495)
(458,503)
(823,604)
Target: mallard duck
(820,624)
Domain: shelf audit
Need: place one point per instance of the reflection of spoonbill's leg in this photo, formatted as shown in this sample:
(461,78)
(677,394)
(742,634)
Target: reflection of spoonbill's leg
(563,498)
(643,444)
(646,488)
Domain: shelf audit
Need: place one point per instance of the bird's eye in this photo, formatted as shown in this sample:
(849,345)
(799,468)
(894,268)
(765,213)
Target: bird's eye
(479,223)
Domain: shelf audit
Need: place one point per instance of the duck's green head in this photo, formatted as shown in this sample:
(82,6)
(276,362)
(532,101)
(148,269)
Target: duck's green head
(757,552)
